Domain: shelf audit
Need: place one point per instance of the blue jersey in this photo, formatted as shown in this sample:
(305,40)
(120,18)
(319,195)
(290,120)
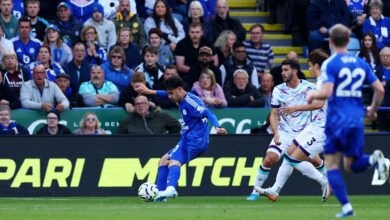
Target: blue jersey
(195,117)
(18,9)
(345,106)
(356,7)
(27,53)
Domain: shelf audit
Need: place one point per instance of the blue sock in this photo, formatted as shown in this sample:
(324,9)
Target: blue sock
(162,176)
(360,164)
(338,186)
(173,176)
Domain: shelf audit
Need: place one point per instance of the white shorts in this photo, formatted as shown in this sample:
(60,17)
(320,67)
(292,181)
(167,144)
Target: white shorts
(311,140)
(286,140)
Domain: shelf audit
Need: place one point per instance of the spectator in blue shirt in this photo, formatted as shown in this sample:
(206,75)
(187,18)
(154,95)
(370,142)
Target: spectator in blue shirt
(7,127)
(116,70)
(25,46)
(378,24)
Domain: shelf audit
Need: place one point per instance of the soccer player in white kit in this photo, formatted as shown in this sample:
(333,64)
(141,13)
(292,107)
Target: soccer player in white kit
(308,144)
(285,127)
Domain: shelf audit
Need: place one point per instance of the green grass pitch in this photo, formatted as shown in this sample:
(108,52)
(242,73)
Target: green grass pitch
(188,208)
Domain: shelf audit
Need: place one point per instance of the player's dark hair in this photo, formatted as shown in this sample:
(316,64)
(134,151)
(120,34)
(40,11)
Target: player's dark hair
(340,35)
(195,25)
(24,19)
(156,31)
(150,50)
(292,63)
(318,56)
(174,82)
(237,45)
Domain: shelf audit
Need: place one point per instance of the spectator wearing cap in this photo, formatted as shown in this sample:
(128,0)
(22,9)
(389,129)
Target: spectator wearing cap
(240,93)
(60,52)
(25,46)
(7,127)
(7,96)
(259,52)
(53,126)
(97,91)
(38,24)
(187,51)
(105,28)
(239,60)
(78,69)
(126,19)
(40,93)
(44,57)
(8,21)
(70,28)
(74,98)
(205,62)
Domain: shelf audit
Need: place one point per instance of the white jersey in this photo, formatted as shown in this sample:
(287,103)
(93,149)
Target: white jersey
(319,116)
(284,96)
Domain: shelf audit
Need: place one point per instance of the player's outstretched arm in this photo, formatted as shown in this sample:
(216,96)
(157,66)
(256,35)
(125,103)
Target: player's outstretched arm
(324,93)
(316,104)
(214,121)
(142,89)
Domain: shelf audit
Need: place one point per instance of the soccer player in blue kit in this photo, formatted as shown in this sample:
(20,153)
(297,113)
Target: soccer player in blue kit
(194,135)
(343,77)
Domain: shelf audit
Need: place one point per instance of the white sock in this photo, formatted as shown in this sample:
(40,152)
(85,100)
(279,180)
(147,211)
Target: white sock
(261,177)
(371,160)
(322,168)
(284,173)
(310,171)
(346,208)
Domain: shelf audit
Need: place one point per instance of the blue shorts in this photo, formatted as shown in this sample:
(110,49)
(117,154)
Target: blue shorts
(349,141)
(186,151)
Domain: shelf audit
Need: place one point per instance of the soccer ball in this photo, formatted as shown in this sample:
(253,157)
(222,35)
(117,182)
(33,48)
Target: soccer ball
(147,192)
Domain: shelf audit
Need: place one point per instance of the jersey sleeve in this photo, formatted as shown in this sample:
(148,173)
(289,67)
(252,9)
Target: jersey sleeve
(327,75)
(275,103)
(161,93)
(200,111)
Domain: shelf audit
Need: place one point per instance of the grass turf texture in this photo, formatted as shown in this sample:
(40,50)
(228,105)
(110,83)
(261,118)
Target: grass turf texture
(112,208)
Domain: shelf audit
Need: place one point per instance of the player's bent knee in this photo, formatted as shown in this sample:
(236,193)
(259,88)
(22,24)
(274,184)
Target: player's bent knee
(174,163)
(317,161)
(270,159)
(291,149)
(163,160)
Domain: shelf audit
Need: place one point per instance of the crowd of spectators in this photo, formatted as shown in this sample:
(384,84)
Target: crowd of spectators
(88,54)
